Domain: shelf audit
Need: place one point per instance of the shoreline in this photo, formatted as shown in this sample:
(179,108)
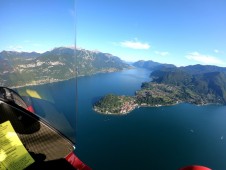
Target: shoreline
(156,106)
(44,82)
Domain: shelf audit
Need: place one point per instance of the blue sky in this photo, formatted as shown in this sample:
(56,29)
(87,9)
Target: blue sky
(180,32)
(36,25)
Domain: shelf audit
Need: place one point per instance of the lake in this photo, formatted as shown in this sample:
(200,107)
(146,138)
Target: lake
(155,138)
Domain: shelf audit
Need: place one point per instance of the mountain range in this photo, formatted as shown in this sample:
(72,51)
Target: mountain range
(152,65)
(23,68)
(199,84)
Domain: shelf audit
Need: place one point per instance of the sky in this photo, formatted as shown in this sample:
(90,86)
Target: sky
(180,32)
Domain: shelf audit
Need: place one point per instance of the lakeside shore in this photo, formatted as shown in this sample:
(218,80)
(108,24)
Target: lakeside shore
(156,95)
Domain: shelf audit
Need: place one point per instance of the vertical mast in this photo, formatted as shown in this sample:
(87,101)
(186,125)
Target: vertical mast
(75,70)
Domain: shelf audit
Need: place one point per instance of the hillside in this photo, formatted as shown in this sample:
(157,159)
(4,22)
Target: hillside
(196,84)
(199,84)
(21,68)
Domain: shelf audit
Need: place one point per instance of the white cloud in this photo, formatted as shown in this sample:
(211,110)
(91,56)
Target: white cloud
(17,48)
(27,48)
(135,45)
(204,59)
(162,53)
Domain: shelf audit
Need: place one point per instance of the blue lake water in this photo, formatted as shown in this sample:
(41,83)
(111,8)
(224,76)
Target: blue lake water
(162,138)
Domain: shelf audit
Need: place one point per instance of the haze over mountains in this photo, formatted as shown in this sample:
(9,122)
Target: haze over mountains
(152,65)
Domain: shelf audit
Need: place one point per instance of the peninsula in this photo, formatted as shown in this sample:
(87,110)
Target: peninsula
(113,104)
(196,84)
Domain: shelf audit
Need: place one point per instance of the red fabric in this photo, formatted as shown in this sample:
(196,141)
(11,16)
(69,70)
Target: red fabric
(30,108)
(76,162)
(195,167)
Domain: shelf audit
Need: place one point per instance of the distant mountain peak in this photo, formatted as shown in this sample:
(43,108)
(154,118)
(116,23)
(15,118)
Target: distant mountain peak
(152,65)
